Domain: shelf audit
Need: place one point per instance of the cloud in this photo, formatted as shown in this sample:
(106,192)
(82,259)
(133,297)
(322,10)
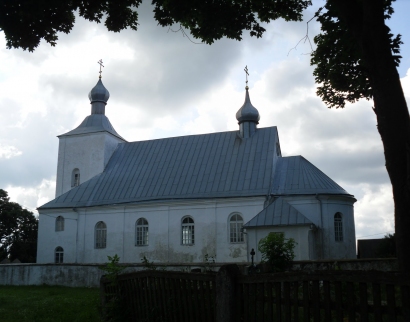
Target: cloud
(8,151)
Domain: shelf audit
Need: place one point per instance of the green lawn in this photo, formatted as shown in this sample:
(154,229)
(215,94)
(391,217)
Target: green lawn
(48,303)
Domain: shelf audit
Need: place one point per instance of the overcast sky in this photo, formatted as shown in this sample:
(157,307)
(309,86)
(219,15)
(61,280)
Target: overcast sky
(163,85)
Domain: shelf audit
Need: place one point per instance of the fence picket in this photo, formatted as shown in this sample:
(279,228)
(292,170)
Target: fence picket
(364,313)
(306,311)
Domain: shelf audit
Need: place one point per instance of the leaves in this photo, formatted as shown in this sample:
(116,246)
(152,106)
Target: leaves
(211,20)
(277,251)
(26,22)
(341,71)
(18,231)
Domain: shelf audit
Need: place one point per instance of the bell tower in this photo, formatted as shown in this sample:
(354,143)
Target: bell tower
(84,152)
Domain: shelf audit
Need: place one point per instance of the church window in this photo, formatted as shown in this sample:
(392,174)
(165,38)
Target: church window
(338,227)
(59,255)
(141,232)
(188,229)
(60,223)
(75,178)
(235,228)
(100,235)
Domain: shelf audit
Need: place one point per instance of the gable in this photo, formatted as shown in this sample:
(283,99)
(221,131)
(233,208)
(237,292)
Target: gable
(278,213)
(216,165)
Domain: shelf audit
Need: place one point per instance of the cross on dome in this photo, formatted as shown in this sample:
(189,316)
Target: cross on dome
(247,74)
(100,62)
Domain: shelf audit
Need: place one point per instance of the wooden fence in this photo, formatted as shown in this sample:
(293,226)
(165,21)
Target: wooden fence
(295,296)
(161,296)
(324,296)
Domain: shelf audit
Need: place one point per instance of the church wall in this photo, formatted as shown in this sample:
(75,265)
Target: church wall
(346,248)
(165,245)
(325,210)
(49,239)
(89,153)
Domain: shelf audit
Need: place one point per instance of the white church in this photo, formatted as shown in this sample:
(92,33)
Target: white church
(176,200)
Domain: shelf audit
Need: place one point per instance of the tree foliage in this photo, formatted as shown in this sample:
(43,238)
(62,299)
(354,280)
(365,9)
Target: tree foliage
(341,70)
(26,22)
(387,247)
(277,251)
(18,231)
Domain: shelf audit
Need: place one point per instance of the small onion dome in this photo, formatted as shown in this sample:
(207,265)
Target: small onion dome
(99,93)
(247,113)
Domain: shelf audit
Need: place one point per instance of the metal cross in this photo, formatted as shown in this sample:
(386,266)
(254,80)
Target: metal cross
(100,62)
(247,74)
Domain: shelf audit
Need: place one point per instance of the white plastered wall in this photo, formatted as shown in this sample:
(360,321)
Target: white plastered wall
(211,232)
(89,153)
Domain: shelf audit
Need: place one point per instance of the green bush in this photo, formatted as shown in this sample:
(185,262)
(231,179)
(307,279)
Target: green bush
(277,251)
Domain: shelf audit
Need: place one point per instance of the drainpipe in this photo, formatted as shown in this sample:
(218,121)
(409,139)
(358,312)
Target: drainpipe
(321,226)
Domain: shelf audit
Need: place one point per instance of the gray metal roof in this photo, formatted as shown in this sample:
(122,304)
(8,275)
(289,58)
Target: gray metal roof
(94,123)
(99,93)
(278,213)
(247,113)
(216,165)
(295,175)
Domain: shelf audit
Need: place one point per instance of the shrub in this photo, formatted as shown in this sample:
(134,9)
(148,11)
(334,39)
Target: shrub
(277,251)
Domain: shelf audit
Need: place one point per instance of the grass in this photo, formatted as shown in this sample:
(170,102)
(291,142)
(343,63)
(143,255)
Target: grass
(48,303)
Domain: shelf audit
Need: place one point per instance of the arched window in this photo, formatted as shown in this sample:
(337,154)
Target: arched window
(60,223)
(100,235)
(75,178)
(338,227)
(188,231)
(59,255)
(235,226)
(141,232)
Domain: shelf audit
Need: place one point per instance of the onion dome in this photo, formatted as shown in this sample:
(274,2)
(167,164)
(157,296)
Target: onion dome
(98,96)
(99,93)
(247,113)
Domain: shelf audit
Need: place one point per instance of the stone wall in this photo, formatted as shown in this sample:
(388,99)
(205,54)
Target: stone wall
(88,275)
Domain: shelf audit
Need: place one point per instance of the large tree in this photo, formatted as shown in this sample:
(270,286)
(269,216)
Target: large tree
(356,56)
(18,231)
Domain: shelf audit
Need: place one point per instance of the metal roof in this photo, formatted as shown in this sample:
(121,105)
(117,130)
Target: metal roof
(248,112)
(94,123)
(215,165)
(295,176)
(278,213)
(99,93)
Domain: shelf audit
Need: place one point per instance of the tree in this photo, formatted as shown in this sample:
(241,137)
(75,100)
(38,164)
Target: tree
(277,251)
(356,56)
(18,231)
(387,247)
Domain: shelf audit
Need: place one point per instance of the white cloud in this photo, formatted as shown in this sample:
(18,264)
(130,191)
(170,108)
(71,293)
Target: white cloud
(8,151)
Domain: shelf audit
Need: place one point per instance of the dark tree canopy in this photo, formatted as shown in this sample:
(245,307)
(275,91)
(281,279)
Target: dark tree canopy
(387,247)
(18,231)
(26,22)
(340,69)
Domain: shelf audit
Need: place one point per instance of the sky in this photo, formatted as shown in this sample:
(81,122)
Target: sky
(164,85)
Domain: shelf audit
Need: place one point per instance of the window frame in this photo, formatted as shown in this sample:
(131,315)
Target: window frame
(75,178)
(338,227)
(59,255)
(187,231)
(60,221)
(100,235)
(141,232)
(235,233)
